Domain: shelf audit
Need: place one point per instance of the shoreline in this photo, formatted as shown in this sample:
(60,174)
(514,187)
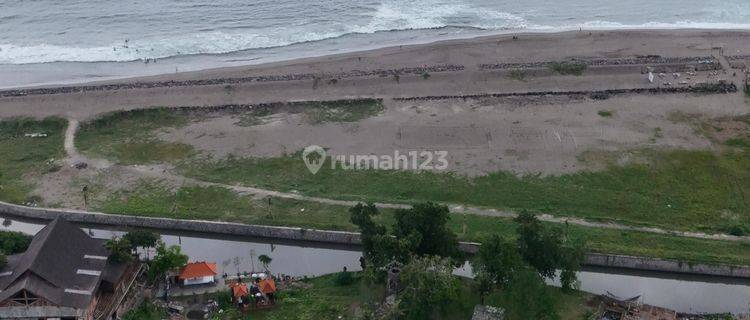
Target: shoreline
(222,64)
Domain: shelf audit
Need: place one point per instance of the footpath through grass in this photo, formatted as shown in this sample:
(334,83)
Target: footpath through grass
(28,148)
(685,190)
(150,198)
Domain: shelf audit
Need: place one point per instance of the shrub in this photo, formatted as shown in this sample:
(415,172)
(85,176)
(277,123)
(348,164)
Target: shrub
(343,278)
(568,68)
(604,113)
(517,74)
(738,142)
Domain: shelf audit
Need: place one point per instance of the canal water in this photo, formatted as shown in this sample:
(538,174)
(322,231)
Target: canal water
(684,293)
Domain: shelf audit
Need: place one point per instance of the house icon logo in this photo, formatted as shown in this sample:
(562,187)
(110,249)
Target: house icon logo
(314,157)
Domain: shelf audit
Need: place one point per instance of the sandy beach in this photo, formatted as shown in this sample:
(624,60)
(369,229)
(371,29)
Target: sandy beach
(468,54)
(538,133)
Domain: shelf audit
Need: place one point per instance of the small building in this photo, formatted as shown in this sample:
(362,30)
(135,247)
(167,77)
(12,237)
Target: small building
(197,273)
(240,292)
(267,287)
(64,274)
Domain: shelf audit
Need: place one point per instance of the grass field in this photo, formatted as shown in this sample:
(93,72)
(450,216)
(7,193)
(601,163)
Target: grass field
(150,198)
(685,190)
(23,157)
(154,199)
(128,137)
(672,189)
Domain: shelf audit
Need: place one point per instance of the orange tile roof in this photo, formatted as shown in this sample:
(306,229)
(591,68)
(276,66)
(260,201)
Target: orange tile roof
(197,270)
(240,290)
(267,286)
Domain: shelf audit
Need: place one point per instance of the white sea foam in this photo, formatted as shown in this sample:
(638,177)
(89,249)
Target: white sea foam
(384,16)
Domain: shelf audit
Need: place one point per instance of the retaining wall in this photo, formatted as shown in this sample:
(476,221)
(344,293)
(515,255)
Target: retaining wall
(710,88)
(339,237)
(231,81)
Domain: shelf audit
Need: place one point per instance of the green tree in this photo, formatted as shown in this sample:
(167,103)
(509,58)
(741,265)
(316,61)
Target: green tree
(119,250)
(12,242)
(528,297)
(265,261)
(3,260)
(549,249)
(166,259)
(429,287)
(497,260)
(361,215)
(421,230)
(425,228)
(142,238)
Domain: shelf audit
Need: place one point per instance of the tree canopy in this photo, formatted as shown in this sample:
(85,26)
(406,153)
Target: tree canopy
(166,259)
(419,231)
(142,238)
(12,242)
(548,249)
(119,250)
(429,287)
(519,267)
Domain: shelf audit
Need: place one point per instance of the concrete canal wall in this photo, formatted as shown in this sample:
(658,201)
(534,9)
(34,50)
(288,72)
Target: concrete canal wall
(339,237)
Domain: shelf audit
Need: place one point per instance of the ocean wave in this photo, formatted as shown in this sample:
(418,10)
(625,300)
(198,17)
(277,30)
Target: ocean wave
(387,16)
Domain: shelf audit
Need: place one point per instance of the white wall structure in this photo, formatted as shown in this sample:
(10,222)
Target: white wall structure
(200,280)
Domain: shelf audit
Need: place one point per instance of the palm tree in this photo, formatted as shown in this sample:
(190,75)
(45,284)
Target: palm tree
(265,261)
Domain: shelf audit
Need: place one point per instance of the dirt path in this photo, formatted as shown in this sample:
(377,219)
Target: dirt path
(160,172)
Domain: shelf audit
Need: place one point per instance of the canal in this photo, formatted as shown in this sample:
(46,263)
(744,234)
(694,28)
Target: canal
(684,293)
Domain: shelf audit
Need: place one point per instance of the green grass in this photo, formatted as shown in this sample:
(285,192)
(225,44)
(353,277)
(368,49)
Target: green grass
(568,67)
(22,157)
(340,111)
(477,228)
(150,198)
(738,142)
(517,74)
(153,199)
(686,190)
(128,137)
(146,311)
(605,113)
(323,299)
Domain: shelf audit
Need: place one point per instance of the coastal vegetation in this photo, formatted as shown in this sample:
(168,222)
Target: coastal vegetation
(319,112)
(28,148)
(150,198)
(672,189)
(517,74)
(129,137)
(567,67)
